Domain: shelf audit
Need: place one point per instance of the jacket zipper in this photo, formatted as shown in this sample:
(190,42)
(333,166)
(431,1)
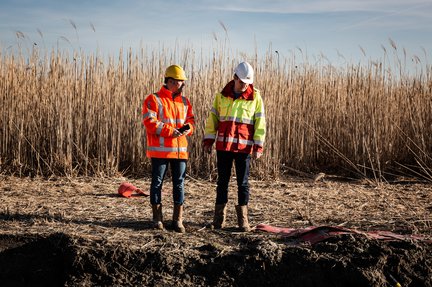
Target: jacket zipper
(175,125)
(229,110)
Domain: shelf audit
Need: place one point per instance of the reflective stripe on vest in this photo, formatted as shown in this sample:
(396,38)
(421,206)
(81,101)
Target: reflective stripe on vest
(167,149)
(237,120)
(235,140)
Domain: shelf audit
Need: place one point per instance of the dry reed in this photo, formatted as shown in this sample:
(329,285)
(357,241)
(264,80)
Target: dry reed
(81,114)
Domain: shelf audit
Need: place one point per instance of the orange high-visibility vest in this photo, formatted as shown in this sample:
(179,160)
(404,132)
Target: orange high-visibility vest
(162,113)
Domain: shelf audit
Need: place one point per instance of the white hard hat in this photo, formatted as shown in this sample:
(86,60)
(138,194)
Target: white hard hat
(245,72)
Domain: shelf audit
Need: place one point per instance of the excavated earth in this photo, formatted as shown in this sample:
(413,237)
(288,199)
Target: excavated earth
(79,232)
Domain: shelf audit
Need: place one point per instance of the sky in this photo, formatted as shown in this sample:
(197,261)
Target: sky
(340,30)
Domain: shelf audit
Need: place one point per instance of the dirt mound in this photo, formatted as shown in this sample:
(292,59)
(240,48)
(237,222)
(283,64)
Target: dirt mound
(62,260)
(32,261)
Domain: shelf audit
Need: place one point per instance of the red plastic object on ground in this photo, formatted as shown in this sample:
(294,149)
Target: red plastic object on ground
(315,234)
(128,190)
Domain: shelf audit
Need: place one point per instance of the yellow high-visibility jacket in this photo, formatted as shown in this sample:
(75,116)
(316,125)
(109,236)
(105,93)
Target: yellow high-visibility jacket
(162,113)
(236,125)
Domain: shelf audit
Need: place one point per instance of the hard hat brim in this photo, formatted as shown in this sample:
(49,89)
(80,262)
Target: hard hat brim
(246,81)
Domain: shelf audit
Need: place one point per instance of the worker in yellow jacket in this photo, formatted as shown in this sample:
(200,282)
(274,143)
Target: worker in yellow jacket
(168,119)
(237,124)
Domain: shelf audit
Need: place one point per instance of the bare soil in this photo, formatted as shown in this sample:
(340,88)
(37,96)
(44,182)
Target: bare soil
(79,232)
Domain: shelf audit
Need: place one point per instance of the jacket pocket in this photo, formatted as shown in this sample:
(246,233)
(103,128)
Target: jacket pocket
(247,115)
(225,109)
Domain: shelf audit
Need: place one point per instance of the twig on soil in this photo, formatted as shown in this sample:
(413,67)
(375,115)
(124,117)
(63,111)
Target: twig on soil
(148,243)
(202,228)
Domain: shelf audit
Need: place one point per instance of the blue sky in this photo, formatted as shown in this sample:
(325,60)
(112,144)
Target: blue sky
(327,27)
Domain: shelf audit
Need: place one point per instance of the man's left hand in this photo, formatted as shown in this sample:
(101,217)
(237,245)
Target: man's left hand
(186,132)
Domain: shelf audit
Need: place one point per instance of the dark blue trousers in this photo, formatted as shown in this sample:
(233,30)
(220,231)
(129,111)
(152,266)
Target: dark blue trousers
(224,165)
(178,174)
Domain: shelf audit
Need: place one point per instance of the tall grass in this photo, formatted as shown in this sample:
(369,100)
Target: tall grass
(79,114)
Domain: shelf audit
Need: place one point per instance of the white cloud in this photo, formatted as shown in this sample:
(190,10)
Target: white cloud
(320,6)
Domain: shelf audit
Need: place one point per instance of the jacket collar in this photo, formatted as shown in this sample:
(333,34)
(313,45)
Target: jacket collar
(228,91)
(164,92)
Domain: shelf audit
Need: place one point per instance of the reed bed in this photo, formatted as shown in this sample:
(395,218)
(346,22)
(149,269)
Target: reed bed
(80,114)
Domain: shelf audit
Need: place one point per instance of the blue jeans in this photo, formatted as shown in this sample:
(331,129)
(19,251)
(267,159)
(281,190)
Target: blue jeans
(178,173)
(225,161)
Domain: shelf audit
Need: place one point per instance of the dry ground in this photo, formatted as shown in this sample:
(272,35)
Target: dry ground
(79,232)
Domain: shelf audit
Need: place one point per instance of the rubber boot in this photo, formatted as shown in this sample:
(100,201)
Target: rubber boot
(219,216)
(157,216)
(177,222)
(242,217)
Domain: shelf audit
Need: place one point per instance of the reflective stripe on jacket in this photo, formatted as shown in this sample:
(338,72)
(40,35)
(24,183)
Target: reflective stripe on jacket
(237,125)
(161,115)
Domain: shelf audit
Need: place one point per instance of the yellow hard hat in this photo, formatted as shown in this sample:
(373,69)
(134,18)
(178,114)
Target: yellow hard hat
(176,72)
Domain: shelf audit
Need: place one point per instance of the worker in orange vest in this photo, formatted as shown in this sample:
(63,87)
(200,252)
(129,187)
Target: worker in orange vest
(236,123)
(168,119)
